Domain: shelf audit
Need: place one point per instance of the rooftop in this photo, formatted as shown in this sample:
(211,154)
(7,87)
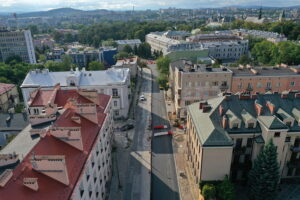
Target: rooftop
(209,125)
(124,42)
(5,87)
(44,78)
(52,146)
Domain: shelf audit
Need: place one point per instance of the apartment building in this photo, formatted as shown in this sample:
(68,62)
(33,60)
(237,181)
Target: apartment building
(72,158)
(278,78)
(193,82)
(270,36)
(56,54)
(122,43)
(82,58)
(225,134)
(113,82)
(130,63)
(9,96)
(18,43)
(214,37)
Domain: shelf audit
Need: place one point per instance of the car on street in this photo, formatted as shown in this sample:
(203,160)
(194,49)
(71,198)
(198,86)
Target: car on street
(127,127)
(142,98)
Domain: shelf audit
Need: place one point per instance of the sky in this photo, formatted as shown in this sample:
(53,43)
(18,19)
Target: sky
(37,5)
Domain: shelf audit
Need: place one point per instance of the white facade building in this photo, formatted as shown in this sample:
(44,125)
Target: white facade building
(17,43)
(113,82)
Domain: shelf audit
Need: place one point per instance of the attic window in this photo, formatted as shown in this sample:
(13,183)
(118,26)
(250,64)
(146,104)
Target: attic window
(235,125)
(277,134)
(250,125)
(289,124)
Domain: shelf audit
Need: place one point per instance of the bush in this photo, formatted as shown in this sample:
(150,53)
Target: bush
(225,190)
(209,191)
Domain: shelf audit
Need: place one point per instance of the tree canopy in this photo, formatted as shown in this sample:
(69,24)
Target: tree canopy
(264,176)
(95,65)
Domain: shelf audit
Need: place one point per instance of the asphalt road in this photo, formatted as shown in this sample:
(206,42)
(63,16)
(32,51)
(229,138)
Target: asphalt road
(136,184)
(164,184)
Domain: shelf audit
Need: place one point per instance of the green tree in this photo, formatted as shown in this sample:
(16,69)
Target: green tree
(95,65)
(66,62)
(33,29)
(163,81)
(244,59)
(226,189)
(209,191)
(163,65)
(127,49)
(13,58)
(264,52)
(144,50)
(121,55)
(264,176)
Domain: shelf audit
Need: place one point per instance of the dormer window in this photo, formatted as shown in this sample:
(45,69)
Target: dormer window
(250,125)
(277,134)
(235,125)
(72,83)
(289,124)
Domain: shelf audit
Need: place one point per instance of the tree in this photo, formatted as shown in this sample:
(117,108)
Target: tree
(243,60)
(264,176)
(144,50)
(127,49)
(67,62)
(121,55)
(95,65)
(209,191)
(13,58)
(163,81)
(163,65)
(226,189)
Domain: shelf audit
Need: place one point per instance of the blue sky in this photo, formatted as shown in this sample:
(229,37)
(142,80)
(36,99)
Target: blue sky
(32,5)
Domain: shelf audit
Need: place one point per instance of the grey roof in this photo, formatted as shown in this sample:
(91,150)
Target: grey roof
(2,139)
(86,78)
(18,122)
(264,71)
(134,41)
(272,122)
(209,124)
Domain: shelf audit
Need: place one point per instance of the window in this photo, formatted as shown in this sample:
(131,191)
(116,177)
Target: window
(269,85)
(238,142)
(249,142)
(235,125)
(292,83)
(240,85)
(278,84)
(297,172)
(116,113)
(115,92)
(206,93)
(290,171)
(288,139)
(277,134)
(115,103)
(206,83)
(250,125)
(249,86)
(215,83)
(259,85)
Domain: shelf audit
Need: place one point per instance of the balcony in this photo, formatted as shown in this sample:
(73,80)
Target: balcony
(294,163)
(295,148)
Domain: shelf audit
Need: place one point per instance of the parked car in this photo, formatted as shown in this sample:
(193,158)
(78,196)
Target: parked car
(127,127)
(142,98)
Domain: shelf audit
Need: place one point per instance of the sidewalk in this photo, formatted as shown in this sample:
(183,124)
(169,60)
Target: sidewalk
(187,185)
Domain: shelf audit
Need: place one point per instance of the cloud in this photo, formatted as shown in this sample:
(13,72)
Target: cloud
(29,5)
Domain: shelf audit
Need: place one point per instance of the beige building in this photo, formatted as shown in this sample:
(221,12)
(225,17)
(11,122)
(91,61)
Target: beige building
(192,83)
(130,63)
(9,96)
(225,134)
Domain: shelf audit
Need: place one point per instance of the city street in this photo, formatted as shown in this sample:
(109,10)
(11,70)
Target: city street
(164,184)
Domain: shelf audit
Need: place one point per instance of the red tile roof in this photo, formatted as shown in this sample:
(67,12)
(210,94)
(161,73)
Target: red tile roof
(4,87)
(75,159)
(42,98)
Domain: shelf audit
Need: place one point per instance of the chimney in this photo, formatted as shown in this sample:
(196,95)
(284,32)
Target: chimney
(221,110)
(31,183)
(284,94)
(249,66)
(258,108)
(206,108)
(202,103)
(284,65)
(224,121)
(244,96)
(295,70)
(241,66)
(271,107)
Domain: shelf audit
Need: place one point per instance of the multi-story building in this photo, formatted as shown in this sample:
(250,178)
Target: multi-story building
(72,158)
(16,43)
(9,96)
(113,82)
(264,79)
(270,36)
(193,82)
(220,46)
(42,41)
(122,43)
(107,54)
(225,134)
(56,54)
(84,57)
(130,63)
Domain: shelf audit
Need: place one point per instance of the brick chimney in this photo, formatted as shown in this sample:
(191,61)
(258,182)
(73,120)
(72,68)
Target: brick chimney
(206,108)
(224,121)
(284,94)
(258,108)
(201,104)
(221,110)
(271,107)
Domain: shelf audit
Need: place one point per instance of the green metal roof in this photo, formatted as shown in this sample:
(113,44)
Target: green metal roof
(283,114)
(272,122)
